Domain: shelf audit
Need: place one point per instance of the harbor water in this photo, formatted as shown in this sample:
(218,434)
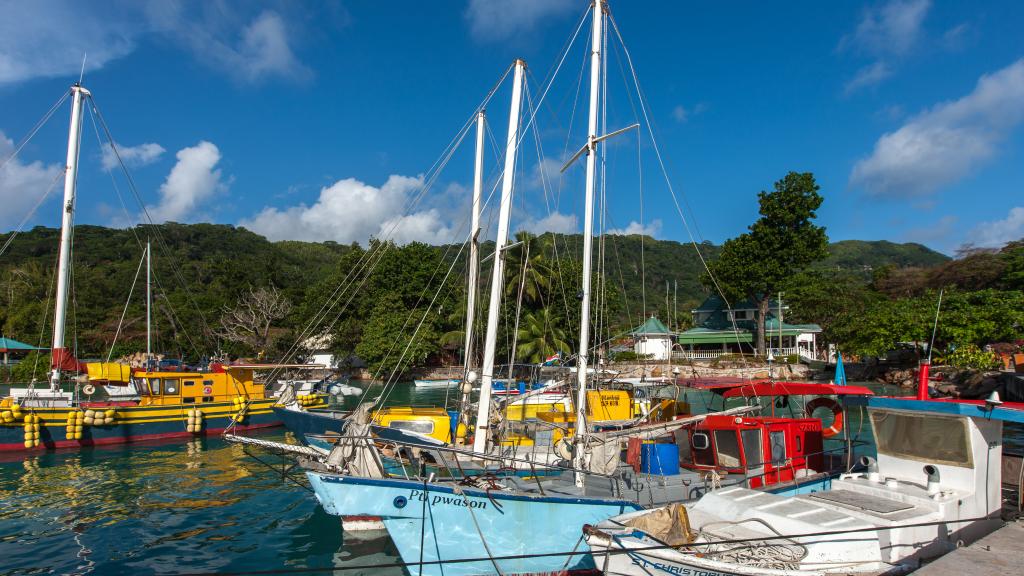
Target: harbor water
(199,506)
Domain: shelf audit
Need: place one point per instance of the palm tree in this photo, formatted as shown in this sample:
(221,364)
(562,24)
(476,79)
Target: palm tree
(539,337)
(534,275)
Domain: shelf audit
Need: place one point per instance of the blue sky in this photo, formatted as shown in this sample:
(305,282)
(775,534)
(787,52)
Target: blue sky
(319,121)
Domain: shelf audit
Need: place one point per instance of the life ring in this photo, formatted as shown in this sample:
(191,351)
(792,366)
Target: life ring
(837,415)
(89,389)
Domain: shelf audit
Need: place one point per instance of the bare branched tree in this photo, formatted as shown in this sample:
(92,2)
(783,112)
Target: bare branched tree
(249,322)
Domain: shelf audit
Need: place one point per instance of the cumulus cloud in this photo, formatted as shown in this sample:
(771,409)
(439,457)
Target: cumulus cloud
(353,211)
(495,20)
(885,33)
(945,143)
(652,229)
(22,185)
(133,156)
(997,233)
(554,222)
(193,179)
(47,38)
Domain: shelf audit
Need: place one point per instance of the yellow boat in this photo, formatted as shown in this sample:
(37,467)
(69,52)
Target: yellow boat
(170,404)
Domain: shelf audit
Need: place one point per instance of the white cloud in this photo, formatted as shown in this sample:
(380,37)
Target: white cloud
(260,51)
(47,38)
(947,142)
(652,229)
(996,234)
(868,76)
(681,113)
(886,33)
(353,211)
(554,222)
(22,185)
(193,179)
(133,156)
(496,20)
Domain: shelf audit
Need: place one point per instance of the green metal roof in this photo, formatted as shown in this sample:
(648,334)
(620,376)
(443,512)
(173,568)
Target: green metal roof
(711,336)
(10,345)
(652,326)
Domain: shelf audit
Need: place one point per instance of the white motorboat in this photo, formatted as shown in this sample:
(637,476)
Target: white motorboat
(936,485)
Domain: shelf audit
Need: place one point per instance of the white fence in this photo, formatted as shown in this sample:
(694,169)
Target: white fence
(712,354)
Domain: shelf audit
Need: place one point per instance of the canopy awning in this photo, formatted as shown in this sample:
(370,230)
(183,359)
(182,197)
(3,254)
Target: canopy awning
(12,345)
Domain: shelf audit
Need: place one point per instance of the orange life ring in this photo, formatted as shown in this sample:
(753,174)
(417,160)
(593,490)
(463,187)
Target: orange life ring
(837,414)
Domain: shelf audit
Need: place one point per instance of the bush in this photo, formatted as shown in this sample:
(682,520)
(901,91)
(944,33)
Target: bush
(970,356)
(630,356)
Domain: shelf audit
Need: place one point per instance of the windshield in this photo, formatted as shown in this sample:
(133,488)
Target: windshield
(924,437)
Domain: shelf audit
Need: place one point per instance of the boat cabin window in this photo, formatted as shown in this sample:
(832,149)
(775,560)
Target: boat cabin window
(752,448)
(728,446)
(188,383)
(702,452)
(926,438)
(777,440)
(171,386)
(155,387)
(420,426)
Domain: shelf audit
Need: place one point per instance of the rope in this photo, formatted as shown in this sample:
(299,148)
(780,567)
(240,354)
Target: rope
(120,323)
(38,125)
(31,212)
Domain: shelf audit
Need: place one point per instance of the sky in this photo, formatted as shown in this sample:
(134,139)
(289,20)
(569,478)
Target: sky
(330,120)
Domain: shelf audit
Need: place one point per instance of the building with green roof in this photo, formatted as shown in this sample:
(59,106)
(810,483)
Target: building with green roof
(720,329)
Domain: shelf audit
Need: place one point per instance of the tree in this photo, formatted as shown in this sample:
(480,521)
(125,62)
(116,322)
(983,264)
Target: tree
(781,243)
(388,343)
(250,321)
(539,337)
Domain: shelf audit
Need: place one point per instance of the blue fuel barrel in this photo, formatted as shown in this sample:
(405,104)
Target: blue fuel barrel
(661,459)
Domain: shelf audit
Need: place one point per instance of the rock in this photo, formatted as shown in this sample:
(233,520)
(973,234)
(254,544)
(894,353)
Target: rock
(949,389)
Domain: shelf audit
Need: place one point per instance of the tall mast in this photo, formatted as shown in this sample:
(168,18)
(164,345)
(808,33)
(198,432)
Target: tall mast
(149,305)
(67,222)
(474,255)
(498,276)
(588,239)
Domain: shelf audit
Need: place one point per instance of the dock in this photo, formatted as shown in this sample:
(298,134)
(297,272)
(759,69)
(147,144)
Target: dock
(998,553)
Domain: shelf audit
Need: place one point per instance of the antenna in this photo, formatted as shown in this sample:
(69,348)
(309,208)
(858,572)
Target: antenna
(935,327)
(81,74)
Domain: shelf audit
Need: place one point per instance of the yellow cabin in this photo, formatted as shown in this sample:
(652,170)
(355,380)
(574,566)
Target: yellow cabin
(433,422)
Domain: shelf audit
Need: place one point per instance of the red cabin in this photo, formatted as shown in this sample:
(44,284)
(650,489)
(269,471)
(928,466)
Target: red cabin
(768,450)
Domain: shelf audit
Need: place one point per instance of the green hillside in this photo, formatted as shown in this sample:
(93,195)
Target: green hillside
(203,268)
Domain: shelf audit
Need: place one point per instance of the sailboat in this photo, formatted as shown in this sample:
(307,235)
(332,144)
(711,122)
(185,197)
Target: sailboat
(171,401)
(455,523)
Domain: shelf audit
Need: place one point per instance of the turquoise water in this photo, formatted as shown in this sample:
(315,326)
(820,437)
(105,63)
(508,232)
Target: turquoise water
(179,507)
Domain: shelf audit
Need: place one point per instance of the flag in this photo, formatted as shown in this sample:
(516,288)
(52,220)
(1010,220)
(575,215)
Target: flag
(553,359)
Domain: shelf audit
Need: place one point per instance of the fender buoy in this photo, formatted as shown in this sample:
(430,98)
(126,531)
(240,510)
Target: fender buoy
(837,415)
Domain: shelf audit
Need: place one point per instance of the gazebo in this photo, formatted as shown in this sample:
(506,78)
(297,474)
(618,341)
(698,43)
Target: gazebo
(10,346)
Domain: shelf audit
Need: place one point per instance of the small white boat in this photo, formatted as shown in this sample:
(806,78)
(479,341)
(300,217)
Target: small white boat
(343,388)
(439,383)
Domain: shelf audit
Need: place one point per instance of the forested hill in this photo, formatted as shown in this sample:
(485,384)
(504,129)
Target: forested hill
(854,254)
(202,268)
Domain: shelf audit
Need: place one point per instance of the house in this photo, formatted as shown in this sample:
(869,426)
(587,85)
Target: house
(720,329)
(652,338)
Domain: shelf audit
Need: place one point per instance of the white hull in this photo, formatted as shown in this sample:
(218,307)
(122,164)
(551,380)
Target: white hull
(444,383)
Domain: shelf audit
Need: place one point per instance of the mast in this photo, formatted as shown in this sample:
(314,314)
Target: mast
(149,305)
(498,276)
(474,256)
(59,355)
(588,239)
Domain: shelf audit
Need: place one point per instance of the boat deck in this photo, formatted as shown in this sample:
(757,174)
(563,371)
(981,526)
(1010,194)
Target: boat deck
(998,553)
